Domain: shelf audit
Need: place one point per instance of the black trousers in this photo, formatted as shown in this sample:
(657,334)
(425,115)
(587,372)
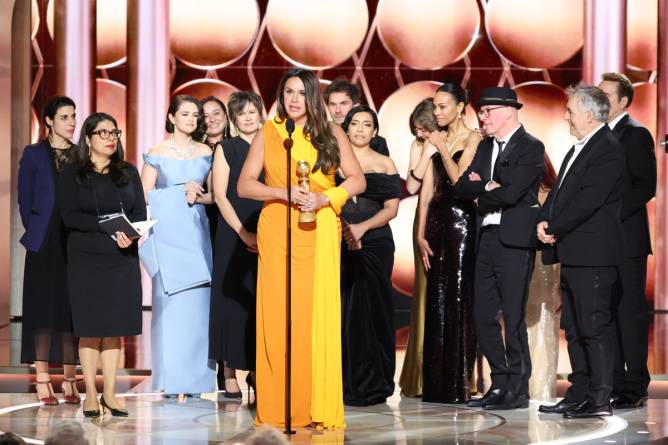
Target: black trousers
(587,319)
(502,276)
(630,315)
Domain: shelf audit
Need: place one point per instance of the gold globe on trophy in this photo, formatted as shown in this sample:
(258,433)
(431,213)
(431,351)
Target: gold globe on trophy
(303,172)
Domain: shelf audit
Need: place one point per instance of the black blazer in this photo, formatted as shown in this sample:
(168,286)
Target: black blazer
(36,193)
(584,212)
(520,173)
(640,185)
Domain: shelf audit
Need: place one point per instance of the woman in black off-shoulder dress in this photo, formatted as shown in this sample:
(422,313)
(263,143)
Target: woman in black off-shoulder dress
(367,257)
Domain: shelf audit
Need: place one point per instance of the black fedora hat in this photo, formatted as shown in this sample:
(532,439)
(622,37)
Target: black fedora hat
(498,96)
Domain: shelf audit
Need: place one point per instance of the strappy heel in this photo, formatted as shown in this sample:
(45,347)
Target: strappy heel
(74,398)
(51,399)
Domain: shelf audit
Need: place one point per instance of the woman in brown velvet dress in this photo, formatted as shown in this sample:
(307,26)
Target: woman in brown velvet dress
(446,236)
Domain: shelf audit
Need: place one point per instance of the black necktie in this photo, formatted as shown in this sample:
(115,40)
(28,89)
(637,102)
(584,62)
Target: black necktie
(495,171)
(562,172)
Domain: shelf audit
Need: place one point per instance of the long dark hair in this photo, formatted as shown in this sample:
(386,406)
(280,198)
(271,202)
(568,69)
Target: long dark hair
(317,128)
(360,109)
(226,130)
(174,106)
(85,168)
(51,108)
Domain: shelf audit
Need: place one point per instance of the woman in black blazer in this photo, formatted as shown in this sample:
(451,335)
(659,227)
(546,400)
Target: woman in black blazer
(47,321)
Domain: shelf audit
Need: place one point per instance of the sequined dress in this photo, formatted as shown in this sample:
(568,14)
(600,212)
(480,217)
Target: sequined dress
(449,337)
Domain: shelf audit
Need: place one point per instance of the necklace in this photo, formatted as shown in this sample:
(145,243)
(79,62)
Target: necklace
(182,154)
(459,136)
(65,145)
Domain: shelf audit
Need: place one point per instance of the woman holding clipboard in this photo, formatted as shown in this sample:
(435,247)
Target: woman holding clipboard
(103,274)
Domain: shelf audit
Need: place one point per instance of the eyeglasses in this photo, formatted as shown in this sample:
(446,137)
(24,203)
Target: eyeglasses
(485,112)
(105,134)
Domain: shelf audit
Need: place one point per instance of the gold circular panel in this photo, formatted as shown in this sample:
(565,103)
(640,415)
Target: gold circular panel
(111,29)
(536,34)
(317,34)
(210,34)
(543,117)
(643,107)
(110,99)
(200,88)
(403,273)
(428,34)
(641,33)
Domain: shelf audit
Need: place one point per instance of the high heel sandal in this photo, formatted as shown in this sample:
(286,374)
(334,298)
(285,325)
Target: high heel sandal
(74,398)
(51,399)
(116,412)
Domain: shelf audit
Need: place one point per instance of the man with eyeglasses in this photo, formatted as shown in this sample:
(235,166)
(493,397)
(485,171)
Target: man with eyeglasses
(503,179)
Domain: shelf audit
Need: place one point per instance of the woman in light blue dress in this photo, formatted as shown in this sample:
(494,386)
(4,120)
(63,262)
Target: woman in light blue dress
(177,254)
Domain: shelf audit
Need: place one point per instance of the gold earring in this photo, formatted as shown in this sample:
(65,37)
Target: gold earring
(459,115)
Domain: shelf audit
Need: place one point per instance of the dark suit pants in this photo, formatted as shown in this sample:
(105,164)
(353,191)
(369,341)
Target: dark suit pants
(502,276)
(587,320)
(631,377)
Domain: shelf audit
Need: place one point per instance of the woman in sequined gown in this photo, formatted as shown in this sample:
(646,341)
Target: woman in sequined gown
(543,312)
(446,235)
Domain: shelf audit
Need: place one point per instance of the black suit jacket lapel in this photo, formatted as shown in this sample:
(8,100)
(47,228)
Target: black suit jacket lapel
(582,156)
(621,126)
(511,144)
(486,160)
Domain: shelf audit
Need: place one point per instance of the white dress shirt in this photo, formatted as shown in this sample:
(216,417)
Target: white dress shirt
(613,123)
(579,145)
(495,217)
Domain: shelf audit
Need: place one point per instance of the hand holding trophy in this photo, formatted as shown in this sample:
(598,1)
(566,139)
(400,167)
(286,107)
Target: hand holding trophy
(303,172)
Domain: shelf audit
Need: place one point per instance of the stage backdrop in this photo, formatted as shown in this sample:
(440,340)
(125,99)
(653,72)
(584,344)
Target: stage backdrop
(397,51)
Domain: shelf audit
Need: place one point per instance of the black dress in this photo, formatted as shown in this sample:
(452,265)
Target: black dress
(368,338)
(104,281)
(46,333)
(232,314)
(449,336)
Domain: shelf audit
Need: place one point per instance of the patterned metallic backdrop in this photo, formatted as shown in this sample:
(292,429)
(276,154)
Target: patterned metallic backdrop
(397,51)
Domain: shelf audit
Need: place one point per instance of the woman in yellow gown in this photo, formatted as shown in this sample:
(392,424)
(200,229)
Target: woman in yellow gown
(317,392)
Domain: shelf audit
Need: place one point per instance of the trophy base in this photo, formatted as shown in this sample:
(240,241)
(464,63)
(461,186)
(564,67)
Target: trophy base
(307,217)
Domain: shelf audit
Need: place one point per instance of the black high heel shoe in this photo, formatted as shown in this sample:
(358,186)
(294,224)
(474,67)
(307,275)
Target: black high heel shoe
(232,395)
(116,412)
(91,412)
(251,384)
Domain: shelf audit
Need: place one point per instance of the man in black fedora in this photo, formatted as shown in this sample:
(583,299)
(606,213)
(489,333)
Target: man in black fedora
(504,178)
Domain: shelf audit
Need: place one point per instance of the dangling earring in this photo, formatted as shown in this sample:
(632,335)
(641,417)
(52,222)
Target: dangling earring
(459,115)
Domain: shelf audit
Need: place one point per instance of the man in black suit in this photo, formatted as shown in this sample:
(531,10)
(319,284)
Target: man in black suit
(579,224)
(630,309)
(504,178)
